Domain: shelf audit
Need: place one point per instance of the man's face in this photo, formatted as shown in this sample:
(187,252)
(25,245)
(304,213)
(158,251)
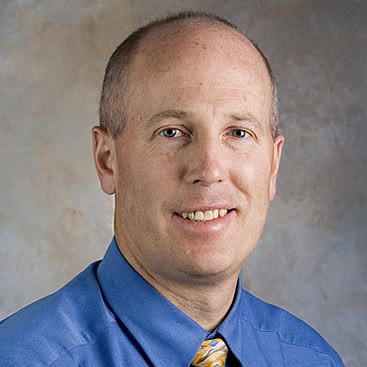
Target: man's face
(197,143)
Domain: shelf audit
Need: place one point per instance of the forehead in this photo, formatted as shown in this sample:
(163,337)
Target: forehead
(174,46)
(185,38)
(197,57)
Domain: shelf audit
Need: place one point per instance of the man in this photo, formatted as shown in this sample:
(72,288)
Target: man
(189,146)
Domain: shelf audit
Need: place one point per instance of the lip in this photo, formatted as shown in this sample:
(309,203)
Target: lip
(207,228)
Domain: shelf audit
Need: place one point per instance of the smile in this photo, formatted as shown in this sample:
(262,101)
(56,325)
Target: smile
(204,216)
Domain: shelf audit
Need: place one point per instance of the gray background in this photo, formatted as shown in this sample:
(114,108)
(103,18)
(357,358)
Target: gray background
(54,219)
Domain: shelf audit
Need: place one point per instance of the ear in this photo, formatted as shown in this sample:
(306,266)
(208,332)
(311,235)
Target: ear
(277,152)
(103,151)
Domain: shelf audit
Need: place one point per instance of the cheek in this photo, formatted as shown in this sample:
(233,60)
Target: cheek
(150,175)
(160,170)
(251,172)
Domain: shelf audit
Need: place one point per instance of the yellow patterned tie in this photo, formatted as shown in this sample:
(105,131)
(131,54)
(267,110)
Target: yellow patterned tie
(212,353)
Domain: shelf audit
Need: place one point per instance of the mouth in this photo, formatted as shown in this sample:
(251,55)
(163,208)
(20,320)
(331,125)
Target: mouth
(205,215)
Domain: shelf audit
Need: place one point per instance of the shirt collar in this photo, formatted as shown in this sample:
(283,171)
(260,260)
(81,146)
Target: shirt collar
(166,334)
(230,329)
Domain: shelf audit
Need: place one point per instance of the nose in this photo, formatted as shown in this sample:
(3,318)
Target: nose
(205,162)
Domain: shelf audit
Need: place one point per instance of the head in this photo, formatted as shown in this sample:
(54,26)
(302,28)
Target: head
(188,130)
(112,111)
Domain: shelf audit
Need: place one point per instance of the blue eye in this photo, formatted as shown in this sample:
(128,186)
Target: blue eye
(239,133)
(170,132)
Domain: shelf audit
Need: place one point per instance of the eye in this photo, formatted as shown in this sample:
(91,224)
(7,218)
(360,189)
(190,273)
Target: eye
(239,133)
(171,133)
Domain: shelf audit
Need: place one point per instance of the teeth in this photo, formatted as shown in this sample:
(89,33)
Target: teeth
(208,215)
(222,212)
(199,215)
(205,216)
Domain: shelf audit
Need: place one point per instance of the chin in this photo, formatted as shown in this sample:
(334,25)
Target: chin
(212,268)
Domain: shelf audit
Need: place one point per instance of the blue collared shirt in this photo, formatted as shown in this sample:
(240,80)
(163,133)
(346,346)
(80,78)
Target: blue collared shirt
(110,316)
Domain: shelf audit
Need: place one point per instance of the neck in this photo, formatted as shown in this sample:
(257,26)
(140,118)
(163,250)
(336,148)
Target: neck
(205,299)
(207,305)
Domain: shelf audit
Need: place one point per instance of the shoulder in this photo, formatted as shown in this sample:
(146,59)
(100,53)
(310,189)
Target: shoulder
(57,323)
(298,341)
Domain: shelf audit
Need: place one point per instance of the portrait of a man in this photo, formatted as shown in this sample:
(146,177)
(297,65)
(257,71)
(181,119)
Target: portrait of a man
(189,147)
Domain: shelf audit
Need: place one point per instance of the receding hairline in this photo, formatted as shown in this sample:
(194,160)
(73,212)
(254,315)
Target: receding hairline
(122,60)
(181,30)
(193,23)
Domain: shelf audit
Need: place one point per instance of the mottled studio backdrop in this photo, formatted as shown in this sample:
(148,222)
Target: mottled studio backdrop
(54,219)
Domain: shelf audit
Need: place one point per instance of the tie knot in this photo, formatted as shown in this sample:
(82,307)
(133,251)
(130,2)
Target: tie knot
(212,353)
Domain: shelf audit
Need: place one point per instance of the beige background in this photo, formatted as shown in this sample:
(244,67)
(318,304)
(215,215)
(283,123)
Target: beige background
(54,219)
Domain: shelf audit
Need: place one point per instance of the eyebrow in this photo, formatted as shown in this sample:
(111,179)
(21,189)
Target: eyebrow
(158,117)
(248,117)
(178,114)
